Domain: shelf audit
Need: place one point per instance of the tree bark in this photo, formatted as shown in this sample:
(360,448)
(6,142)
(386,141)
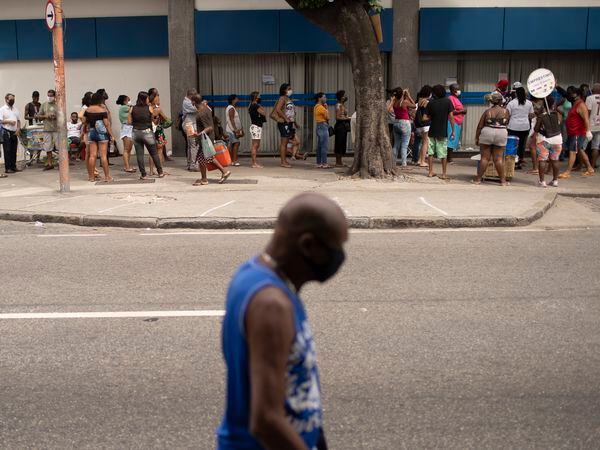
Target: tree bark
(350,24)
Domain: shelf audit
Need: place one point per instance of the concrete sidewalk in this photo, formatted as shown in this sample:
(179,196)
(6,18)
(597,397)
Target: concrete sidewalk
(251,198)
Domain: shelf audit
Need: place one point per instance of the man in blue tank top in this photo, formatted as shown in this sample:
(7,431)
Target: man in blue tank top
(273,389)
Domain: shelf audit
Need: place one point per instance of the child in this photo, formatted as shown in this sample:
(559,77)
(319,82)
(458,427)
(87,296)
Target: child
(74,136)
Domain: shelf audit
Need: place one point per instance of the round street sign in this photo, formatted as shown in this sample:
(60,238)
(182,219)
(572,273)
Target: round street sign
(541,83)
(50,15)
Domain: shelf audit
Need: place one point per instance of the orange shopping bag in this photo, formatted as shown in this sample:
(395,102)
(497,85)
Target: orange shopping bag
(222,156)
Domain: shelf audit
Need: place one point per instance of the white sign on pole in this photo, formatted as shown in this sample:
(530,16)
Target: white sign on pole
(50,15)
(541,83)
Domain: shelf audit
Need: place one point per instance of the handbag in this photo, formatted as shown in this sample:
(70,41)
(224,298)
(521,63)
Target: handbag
(331,131)
(207,146)
(222,156)
(166,123)
(347,126)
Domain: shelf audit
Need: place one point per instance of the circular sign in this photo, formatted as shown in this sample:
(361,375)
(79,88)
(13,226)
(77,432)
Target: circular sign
(541,83)
(50,15)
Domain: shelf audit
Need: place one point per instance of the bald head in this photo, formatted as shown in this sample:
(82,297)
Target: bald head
(315,214)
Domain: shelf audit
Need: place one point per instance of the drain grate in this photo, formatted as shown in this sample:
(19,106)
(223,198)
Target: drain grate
(591,203)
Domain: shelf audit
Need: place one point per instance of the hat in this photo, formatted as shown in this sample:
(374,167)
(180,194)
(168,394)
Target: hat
(502,83)
(517,85)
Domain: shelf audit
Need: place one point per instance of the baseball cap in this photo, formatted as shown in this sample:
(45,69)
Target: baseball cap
(517,85)
(502,83)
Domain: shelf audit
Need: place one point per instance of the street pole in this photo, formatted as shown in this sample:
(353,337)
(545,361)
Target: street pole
(59,79)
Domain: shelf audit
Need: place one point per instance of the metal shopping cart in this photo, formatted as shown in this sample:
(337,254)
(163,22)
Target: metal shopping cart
(32,140)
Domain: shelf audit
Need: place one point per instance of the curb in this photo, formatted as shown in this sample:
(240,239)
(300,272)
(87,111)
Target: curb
(259,223)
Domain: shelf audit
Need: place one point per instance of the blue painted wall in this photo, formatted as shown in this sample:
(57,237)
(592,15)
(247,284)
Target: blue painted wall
(132,36)
(269,31)
(593,36)
(8,40)
(444,29)
(545,28)
(467,29)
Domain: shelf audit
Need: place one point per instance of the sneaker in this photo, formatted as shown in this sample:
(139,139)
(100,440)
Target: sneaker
(542,184)
(554,183)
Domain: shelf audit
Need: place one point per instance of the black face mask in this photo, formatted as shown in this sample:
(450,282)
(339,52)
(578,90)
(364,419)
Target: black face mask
(325,271)
(258,100)
(11,102)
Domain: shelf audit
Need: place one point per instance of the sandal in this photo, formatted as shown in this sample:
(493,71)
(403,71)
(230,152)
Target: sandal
(130,170)
(144,177)
(200,183)
(286,166)
(3,176)
(476,182)
(224,177)
(588,173)
(564,176)
(162,175)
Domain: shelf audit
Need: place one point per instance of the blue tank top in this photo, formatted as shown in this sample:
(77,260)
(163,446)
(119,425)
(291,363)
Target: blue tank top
(303,400)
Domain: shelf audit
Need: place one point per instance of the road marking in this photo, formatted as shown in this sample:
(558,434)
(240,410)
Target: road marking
(70,235)
(208,211)
(51,201)
(117,207)
(112,315)
(209,233)
(339,203)
(441,211)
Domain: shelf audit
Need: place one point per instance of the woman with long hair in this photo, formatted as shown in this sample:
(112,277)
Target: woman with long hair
(126,131)
(258,117)
(341,128)
(521,112)
(284,113)
(422,125)
(140,117)
(97,126)
(321,113)
(399,106)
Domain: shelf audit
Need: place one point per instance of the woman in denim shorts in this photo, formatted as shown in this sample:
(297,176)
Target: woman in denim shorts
(97,128)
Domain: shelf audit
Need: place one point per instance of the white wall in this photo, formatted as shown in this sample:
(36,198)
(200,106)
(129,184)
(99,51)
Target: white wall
(34,9)
(117,76)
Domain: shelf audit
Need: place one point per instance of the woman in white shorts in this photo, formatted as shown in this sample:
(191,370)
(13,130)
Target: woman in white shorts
(491,136)
(258,117)
(422,125)
(126,131)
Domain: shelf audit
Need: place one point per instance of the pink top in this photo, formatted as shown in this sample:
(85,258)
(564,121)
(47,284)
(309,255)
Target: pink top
(401,113)
(458,106)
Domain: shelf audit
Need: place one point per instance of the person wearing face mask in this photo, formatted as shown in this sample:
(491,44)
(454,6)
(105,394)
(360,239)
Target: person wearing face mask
(258,117)
(49,114)
(10,127)
(284,113)
(342,128)
(578,132)
(233,127)
(273,394)
(321,113)
(459,116)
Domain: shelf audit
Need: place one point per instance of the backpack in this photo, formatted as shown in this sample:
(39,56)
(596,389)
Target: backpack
(420,120)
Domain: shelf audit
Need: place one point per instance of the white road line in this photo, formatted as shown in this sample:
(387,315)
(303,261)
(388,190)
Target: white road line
(209,233)
(50,201)
(339,203)
(441,211)
(112,315)
(208,211)
(70,235)
(117,207)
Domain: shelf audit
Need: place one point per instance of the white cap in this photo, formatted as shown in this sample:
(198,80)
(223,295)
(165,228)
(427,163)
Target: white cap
(517,84)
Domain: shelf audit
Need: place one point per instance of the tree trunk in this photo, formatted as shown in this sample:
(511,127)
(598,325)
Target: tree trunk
(349,22)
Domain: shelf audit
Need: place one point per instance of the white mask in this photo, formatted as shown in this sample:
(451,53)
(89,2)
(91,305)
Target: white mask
(50,99)
(290,92)
(458,93)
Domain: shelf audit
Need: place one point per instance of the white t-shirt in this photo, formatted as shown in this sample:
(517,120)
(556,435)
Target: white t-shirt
(73,129)
(593,106)
(8,113)
(519,115)
(230,126)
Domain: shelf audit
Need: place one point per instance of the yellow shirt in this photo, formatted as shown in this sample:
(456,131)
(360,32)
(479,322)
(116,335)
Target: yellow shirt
(321,113)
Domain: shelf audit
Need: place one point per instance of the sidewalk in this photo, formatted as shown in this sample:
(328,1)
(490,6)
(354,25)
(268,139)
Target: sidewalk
(251,198)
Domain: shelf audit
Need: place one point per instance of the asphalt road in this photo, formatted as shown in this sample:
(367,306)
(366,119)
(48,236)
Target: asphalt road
(430,339)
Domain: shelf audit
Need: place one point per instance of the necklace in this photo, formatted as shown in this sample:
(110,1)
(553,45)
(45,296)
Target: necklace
(273,265)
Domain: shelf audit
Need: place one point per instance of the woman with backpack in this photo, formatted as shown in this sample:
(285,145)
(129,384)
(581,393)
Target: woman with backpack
(258,117)
(97,127)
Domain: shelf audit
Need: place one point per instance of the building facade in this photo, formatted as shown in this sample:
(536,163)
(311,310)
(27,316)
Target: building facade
(238,46)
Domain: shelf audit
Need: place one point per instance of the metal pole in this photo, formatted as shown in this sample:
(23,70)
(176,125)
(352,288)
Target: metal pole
(59,79)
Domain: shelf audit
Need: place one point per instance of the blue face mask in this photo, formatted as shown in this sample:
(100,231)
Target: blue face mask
(328,269)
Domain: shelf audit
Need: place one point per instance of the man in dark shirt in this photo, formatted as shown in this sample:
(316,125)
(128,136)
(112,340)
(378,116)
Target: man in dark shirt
(439,110)
(33,108)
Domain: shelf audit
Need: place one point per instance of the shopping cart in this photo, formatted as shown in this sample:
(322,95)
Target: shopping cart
(32,140)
